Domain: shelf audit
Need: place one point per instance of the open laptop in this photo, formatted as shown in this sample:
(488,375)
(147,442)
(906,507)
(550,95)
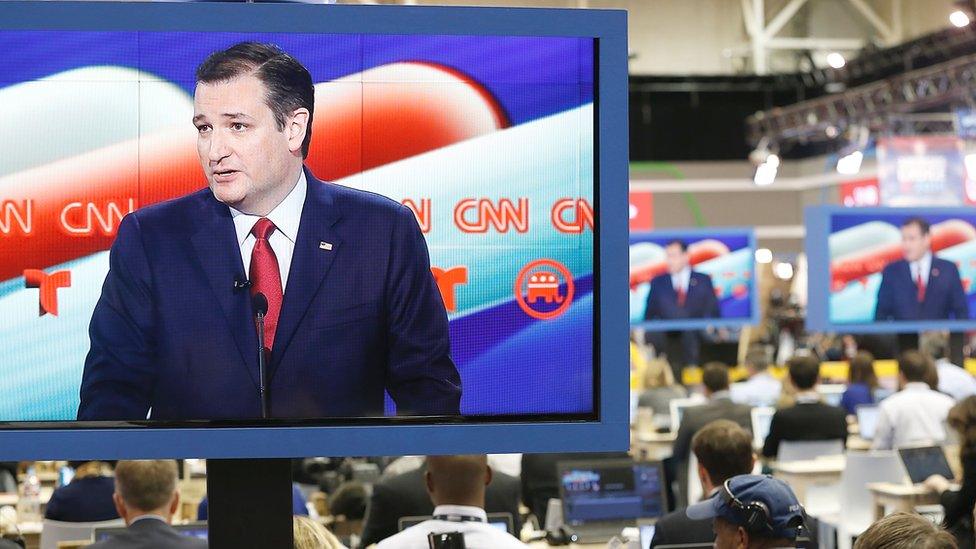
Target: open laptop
(762,418)
(867,420)
(602,497)
(502,521)
(921,463)
(191,529)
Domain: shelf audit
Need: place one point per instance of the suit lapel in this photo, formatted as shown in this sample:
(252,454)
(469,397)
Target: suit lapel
(218,252)
(315,249)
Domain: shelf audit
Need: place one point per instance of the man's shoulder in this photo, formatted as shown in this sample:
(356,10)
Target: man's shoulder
(701,276)
(894,266)
(675,527)
(944,265)
(168,210)
(659,279)
(359,201)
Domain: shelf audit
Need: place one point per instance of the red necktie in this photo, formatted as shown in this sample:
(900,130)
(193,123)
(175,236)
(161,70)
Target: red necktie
(265,276)
(920,285)
(681,297)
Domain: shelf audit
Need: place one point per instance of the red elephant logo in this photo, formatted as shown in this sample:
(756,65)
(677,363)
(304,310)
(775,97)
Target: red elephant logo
(537,289)
(545,286)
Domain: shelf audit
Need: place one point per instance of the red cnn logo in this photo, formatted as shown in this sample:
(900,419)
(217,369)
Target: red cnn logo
(48,285)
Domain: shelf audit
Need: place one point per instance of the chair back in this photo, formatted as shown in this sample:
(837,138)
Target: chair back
(55,531)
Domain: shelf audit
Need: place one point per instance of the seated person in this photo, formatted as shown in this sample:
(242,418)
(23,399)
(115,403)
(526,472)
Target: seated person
(862,381)
(809,418)
(456,485)
(904,531)
(405,495)
(88,497)
(915,415)
(298,506)
(715,377)
(761,389)
(958,504)
(146,498)
(753,512)
(659,390)
(954,380)
(312,535)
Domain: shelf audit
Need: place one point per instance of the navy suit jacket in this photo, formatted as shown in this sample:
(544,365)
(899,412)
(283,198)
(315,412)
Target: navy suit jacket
(171,334)
(945,298)
(700,301)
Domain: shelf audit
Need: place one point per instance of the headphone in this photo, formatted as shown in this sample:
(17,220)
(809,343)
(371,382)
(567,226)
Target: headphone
(755,513)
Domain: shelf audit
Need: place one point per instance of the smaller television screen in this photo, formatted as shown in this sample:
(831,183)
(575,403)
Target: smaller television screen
(692,279)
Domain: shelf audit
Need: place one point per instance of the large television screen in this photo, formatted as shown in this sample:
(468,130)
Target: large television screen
(892,269)
(440,239)
(692,278)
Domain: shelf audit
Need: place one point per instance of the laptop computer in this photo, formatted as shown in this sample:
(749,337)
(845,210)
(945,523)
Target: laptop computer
(921,463)
(867,420)
(602,497)
(832,393)
(502,521)
(762,418)
(191,529)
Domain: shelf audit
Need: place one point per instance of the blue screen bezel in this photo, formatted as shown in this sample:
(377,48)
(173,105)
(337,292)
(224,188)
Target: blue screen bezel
(610,432)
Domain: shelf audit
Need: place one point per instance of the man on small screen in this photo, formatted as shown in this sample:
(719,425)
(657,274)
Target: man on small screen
(353,311)
(920,286)
(680,293)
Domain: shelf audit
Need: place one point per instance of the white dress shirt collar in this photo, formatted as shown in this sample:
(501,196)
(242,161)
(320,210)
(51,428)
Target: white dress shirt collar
(461,511)
(917,386)
(681,279)
(923,266)
(286,216)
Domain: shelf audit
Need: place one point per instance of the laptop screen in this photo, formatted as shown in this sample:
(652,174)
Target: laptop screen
(762,418)
(611,491)
(867,420)
(921,463)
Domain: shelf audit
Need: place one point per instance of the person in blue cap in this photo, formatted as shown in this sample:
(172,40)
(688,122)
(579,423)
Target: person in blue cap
(753,512)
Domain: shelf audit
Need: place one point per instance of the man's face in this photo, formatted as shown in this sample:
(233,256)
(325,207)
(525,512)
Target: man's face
(914,244)
(728,535)
(676,258)
(247,159)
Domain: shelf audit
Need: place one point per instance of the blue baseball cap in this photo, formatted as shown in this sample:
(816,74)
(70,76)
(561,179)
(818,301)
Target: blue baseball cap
(770,503)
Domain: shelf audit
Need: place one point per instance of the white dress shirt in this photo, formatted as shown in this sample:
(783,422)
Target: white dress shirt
(761,389)
(955,381)
(923,265)
(913,416)
(286,216)
(478,534)
(681,279)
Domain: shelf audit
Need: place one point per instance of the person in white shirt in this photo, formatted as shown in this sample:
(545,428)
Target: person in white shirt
(954,380)
(761,389)
(456,485)
(916,414)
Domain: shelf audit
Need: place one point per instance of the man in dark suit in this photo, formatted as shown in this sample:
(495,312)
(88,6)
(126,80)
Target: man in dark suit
(715,377)
(680,293)
(920,286)
(88,497)
(352,307)
(809,418)
(146,497)
(405,495)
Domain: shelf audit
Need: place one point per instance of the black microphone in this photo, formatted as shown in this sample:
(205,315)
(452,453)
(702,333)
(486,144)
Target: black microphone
(260,304)
(241,284)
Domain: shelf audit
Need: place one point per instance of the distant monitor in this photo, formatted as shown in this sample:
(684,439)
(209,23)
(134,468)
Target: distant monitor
(921,463)
(678,406)
(832,393)
(867,420)
(500,521)
(762,418)
(190,530)
(611,491)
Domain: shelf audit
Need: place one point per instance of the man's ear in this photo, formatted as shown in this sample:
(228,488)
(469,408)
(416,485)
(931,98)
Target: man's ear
(741,537)
(429,483)
(297,129)
(489,474)
(119,506)
(175,504)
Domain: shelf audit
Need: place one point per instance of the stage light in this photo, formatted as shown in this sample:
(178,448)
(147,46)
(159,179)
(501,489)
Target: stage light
(836,60)
(783,271)
(850,164)
(959,18)
(764,255)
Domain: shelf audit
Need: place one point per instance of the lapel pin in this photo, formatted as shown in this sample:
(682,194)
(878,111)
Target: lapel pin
(327,246)
(935,272)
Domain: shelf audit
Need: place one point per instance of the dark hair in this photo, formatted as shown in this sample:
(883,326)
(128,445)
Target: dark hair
(962,418)
(922,224)
(862,369)
(914,366)
(804,371)
(715,376)
(905,531)
(724,449)
(679,243)
(288,83)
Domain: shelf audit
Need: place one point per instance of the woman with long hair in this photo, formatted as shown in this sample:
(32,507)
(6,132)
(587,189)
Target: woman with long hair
(862,381)
(959,504)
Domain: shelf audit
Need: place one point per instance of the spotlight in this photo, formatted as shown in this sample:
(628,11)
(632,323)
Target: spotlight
(783,270)
(959,18)
(764,255)
(837,61)
(766,172)
(850,164)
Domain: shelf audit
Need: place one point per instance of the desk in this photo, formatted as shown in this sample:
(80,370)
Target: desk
(802,474)
(900,497)
(858,444)
(655,447)
(10,498)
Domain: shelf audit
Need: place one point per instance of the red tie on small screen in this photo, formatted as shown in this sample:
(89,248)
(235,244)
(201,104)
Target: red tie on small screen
(265,276)
(681,297)
(920,284)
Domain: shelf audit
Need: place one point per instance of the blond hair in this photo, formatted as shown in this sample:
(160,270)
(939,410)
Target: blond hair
(146,485)
(312,535)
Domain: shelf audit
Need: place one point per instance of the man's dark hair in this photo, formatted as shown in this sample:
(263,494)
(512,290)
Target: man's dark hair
(715,376)
(724,449)
(288,83)
(804,371)
(679,243)
(922,224)
(914,366)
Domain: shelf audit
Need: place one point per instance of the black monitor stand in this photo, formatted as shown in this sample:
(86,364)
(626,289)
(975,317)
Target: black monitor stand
(249,503)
